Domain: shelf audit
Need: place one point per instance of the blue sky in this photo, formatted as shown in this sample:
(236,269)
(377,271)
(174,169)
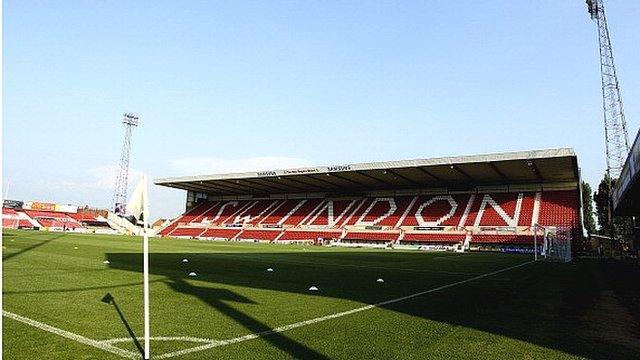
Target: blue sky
(234,85)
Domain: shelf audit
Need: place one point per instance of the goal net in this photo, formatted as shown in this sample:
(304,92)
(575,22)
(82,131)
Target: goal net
(556,243)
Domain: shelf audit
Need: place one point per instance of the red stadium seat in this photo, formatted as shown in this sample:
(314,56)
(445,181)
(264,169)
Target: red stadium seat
(259,234)
(433,237)
(308,219)
(372,236)
(309,235)
(187,231)
(559,208)
(221,233)
(506,239)
(53,219)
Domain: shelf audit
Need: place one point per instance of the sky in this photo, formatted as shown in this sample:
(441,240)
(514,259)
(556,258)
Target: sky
(226,86)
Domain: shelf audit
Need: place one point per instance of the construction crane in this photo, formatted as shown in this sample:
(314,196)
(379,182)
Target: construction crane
(615,125)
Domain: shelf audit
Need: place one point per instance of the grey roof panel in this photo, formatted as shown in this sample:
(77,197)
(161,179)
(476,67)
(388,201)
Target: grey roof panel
(550,165)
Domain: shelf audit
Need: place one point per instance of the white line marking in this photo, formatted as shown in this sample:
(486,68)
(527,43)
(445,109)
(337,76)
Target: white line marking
(161,338)
(69,335)
(332,316)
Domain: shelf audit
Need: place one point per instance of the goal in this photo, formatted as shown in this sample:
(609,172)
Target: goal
(552,243)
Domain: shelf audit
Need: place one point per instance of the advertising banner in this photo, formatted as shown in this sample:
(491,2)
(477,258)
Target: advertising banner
(42,206)
(12,204)
(66,208)
(39,206)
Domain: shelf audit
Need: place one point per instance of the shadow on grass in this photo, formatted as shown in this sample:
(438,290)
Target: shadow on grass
(109,299)
(29,248)
(217,298)
(67,290)
(575,308)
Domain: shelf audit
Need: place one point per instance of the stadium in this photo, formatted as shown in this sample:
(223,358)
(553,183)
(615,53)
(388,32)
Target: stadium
(219,235)
(294,263)
(491,202)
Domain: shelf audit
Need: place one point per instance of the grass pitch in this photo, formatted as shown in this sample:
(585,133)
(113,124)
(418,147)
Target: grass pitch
(472,305)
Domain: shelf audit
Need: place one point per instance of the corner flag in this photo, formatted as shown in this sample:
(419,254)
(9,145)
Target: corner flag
(139,200)
(138,206)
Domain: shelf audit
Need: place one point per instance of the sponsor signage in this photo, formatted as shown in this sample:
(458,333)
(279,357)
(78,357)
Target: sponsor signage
(333,168)
(287,172)
(233,225)
(39,206)
(370,227)
(429,228)
(300,171)
(339,168)
(12,204)
(272,226)
(66,208)
(498,229)
(516,250)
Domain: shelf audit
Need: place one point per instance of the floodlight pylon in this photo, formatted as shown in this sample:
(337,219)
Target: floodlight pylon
(615,125)
(129,120)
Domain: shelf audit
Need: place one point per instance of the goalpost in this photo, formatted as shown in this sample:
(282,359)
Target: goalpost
(554,243)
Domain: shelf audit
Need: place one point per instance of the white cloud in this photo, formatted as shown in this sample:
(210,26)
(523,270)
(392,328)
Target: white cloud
(214,165)
(102,177)
(95,185)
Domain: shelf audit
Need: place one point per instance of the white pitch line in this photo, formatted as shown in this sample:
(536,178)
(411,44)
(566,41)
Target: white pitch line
(161,338)
(69,335)
(332,316)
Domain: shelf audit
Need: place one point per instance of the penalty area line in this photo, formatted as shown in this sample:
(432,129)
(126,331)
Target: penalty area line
(69,335)
(332,316)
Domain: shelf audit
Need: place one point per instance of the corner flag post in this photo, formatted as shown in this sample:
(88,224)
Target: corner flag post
(139,206)
(146,270)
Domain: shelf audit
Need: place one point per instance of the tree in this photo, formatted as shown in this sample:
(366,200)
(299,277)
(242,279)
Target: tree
(587,208)
(622,227)
(601,198)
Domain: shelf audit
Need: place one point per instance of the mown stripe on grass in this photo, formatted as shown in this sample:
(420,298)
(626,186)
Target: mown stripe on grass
(69,335)
(265,259)
(332,316)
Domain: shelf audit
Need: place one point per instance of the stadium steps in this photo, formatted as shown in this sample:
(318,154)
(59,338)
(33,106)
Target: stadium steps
(402,233)
(278,237)
(371,211)
(536,208)
(123,226)
(406,212)
(26,217)
(272,212)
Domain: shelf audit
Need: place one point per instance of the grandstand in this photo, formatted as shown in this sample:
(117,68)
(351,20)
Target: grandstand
(50,219)
(17,220)
(486,202)
(54,217)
